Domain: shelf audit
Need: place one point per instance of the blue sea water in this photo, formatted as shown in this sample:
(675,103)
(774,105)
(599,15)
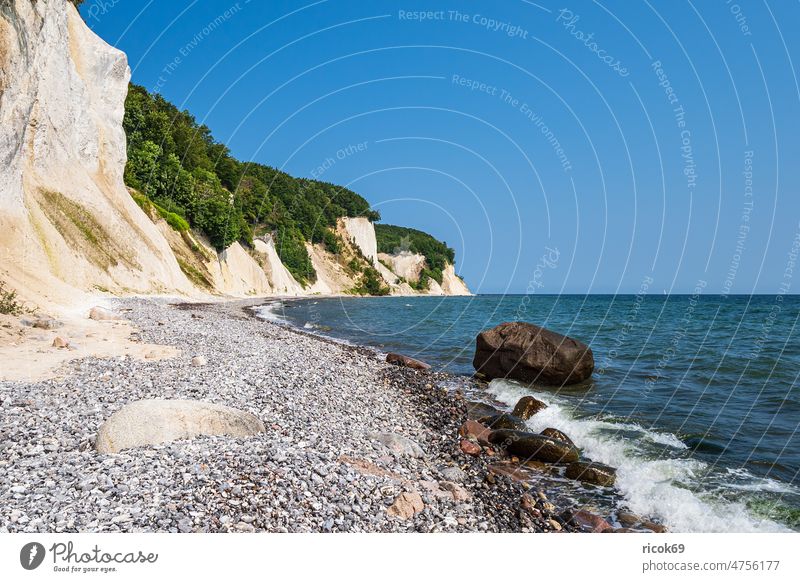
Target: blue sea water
(694,399)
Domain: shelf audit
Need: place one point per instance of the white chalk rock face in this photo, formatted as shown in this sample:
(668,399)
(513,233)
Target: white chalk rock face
(362,232)
(62,157)
(406,265)
(152,422)
(452,284)
(236,273)
(282,281)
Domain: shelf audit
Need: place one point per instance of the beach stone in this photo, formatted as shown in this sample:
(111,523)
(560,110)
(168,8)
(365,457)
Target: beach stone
(587,521)
(527,445)
(151,422)
(60,342)
(47,323)
(590,472)
(554,433)
(527,407)
(453,474)
(398,444)
(401,360)
(102,314)
(457,491)
(529,353)
(508,421)
(474,430)
(406,505)
(470,448)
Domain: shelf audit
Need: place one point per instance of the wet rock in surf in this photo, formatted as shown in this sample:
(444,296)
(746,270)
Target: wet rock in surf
(527,406)
(508,421)
(528,445)
(405,361)
(529,353)
(590,472)
(554,433)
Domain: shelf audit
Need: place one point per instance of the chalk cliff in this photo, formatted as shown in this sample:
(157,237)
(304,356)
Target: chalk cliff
(67,222)
(69,227)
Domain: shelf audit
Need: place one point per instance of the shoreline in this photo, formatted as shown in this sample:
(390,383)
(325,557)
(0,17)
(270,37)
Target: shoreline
(318,467)
(637,468)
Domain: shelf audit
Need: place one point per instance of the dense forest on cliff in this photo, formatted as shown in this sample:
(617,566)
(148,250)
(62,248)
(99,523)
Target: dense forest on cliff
(176,166)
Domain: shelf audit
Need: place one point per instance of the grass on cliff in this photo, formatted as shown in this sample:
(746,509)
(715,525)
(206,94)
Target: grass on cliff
(82,231)
(176,221)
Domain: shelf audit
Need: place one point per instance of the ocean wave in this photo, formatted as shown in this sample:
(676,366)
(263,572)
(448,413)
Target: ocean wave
(269,311)
(669,488)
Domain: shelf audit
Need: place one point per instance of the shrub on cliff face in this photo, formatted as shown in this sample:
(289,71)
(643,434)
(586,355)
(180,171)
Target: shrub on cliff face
(9,303)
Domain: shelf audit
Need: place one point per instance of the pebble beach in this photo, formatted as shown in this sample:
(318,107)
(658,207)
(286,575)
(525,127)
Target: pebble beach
(351,443)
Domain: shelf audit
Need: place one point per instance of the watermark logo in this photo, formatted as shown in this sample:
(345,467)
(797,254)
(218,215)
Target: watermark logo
(31,555)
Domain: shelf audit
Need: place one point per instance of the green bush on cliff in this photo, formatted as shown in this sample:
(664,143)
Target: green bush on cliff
(9,303)
(394,239)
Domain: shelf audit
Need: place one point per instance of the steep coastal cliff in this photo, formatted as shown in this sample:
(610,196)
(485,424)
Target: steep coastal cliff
(67,221)
(71,227)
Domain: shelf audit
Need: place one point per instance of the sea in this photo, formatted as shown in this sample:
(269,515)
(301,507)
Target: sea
(694,398)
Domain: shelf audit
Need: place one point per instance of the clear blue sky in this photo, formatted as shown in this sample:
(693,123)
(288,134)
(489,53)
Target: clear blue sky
(510,128)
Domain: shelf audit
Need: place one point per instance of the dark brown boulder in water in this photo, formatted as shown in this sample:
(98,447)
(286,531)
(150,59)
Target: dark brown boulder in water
(529,353)
(594,473)
(528,445)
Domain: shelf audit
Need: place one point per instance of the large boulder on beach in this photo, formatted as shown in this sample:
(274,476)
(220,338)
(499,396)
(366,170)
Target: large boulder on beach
(528,445)
(152,422)
(529,353)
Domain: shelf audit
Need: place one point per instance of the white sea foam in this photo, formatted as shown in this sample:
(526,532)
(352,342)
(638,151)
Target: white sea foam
(270,311)
(657,487)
